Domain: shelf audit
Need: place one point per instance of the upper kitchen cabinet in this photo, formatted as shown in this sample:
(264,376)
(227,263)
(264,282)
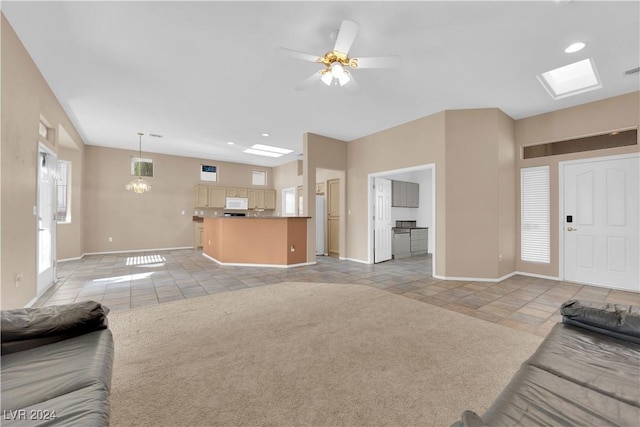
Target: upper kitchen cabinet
(201,196)
(256,199)
(217,197)
(237,192)
(269,199)
(208,196)
(262,199)
(405,194)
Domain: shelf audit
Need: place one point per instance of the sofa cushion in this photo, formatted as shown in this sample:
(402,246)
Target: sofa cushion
(599,362)
(34,376)
(618,320)
(26,328)
(537,397)
(88,406)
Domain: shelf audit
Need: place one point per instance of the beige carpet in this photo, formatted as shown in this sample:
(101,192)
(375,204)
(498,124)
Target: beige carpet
(307,354)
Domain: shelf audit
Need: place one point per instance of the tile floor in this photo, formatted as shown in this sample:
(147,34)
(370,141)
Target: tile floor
(124,281)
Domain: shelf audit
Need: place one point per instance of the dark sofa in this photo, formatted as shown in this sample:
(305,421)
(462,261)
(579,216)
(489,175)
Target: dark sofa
(56,366)
(586,372)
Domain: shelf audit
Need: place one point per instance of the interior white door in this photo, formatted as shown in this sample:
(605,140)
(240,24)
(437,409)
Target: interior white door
(382,220)
(600,223)
(46,207)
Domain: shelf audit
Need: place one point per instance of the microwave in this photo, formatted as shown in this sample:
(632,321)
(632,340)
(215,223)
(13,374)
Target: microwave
(237,203)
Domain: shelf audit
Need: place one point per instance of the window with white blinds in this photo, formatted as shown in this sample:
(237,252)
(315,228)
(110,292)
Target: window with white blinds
(535,227)
(63,210)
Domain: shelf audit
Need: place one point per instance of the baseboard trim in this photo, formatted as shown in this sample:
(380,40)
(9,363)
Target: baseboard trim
(539,276)
(499,279)
(70,259)
(241,264)
(356,260)
(473,279)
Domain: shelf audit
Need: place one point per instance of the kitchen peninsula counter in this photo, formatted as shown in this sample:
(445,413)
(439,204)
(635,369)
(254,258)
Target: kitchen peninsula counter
(271,241)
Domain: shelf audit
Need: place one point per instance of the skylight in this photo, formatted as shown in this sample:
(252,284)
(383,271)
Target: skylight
(267,150)
(262,153)
(571,79)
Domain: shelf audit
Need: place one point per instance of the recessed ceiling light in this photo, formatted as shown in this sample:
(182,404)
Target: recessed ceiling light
(575,47)
(265,134)
(230,143)
(571,79)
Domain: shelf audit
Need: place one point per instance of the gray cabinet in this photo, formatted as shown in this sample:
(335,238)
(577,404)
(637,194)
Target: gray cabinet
(405,194)
(401,245)
(419,240)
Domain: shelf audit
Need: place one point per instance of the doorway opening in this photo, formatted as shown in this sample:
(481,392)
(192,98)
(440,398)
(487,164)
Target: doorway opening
(420,210)
(46,214)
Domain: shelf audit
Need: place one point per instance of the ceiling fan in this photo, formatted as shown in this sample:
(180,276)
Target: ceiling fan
(337,62)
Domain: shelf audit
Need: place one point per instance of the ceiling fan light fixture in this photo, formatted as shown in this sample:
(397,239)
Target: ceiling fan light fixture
(336,70)
(327,78)
(344,78)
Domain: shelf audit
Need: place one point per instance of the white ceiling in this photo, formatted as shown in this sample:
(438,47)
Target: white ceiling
(205,73)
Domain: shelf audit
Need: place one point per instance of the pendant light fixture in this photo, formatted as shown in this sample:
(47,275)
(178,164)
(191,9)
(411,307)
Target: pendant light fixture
(139,185)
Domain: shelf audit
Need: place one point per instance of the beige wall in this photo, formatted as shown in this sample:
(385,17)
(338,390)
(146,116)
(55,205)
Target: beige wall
(507,221)
(416,143)
(25,98)
(621,112)
(69,239)
(479,147)
(151,220)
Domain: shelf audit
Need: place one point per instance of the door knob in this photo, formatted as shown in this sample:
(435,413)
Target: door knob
(571,229)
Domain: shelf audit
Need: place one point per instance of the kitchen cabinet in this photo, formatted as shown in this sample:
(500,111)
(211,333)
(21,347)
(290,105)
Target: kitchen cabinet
(256,199)
(405,194)
(401,245)
(237,192)
(198,235)
(419,239)
(413,195)
(210,196)
(269,199)
(201,196)
(217,197)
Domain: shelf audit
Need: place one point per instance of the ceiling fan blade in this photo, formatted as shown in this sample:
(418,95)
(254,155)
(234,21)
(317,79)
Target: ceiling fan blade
(315,77)
(299,55)
(346,36)
(378,62)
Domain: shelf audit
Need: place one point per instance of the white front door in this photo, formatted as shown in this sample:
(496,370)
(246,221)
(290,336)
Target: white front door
(600,222)
(382,220)
(46,220)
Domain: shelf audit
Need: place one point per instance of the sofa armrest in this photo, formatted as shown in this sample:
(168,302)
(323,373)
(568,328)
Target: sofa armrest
(615,320)
(26,328)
